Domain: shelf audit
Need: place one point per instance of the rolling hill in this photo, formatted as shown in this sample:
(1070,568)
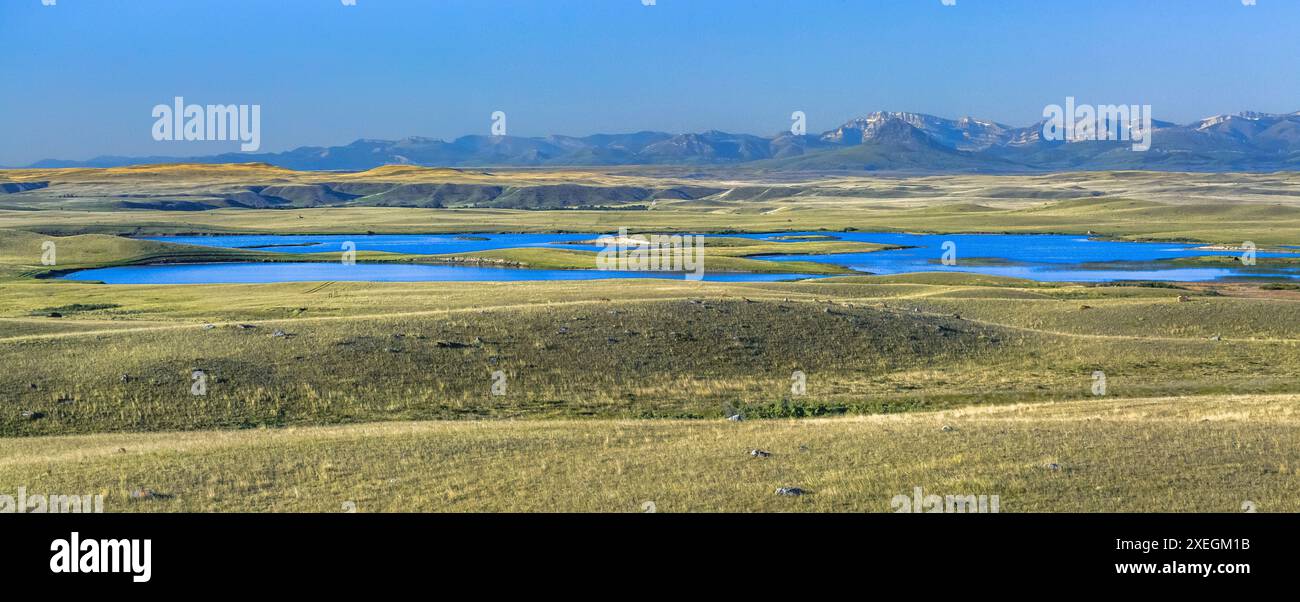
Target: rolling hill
(880,141)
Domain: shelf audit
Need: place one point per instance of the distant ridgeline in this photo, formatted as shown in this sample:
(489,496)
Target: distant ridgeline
(902,142)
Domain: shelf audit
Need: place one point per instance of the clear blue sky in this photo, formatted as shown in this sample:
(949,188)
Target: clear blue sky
(81,77)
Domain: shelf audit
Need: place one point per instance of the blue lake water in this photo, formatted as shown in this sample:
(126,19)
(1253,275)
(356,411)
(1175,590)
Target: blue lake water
(415,244)
(1038,257)
(1044,257)
(233,273)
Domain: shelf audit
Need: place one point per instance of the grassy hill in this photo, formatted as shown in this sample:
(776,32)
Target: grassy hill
(355,352)
(1203,454)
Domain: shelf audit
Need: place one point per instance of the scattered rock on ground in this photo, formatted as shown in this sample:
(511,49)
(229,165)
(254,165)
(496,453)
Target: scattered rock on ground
(144,493)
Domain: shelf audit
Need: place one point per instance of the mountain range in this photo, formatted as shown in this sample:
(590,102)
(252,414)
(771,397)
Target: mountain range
(881,141)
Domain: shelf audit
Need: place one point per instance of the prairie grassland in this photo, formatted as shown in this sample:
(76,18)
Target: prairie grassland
(382,393)
(121,357)
(1196,454)
(1264,224)
(84,186)
(1217,208)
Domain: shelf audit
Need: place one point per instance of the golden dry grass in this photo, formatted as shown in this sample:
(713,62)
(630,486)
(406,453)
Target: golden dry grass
(1202,454)
(1220,208)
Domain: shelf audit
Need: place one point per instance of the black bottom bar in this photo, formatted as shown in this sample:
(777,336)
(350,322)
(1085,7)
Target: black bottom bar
(551,553)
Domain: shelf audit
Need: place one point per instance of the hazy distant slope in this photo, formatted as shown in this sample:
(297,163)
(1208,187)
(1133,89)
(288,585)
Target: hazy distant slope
(880,141)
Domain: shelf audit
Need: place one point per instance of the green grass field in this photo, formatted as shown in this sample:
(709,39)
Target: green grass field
(616,392)
(121,357)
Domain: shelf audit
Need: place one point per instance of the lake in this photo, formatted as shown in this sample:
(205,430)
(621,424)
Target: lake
(1035,256)
(235,273)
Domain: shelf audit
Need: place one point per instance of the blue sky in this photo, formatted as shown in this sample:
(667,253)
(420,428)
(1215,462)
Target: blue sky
(81,77)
